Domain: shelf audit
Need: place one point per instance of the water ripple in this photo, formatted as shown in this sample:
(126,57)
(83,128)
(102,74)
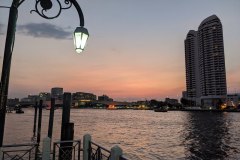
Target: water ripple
(144,135)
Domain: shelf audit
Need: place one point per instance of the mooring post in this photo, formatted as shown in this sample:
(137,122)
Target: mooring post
(86,142)
(68,135)
(39,121)
(51,118)
(116,152)
(65,111)
(67,129)
(35,119)
(39,127)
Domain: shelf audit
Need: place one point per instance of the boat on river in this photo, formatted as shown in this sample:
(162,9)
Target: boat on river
(19,111)
(161,109)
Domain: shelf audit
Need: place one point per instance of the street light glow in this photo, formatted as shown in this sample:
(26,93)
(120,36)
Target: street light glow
(80,38)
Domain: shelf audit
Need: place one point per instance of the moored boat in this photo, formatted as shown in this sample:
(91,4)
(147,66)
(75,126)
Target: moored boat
(161,109)
(19,111)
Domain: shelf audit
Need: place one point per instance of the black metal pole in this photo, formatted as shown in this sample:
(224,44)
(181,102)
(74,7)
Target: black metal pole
(7,65)
(35,119)
(65,112)
(51,118)
(39,121)
(39,127)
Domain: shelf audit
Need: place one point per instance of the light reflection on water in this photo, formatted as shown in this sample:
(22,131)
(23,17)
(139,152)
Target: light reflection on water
(143,135)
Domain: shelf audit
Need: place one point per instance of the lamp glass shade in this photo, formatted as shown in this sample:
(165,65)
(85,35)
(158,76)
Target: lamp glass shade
(80,38)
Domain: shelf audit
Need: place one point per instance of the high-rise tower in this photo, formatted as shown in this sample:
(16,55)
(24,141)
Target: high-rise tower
(205,66)
(192,67)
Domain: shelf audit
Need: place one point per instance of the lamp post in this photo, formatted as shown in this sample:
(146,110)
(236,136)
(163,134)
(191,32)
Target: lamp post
(41,7)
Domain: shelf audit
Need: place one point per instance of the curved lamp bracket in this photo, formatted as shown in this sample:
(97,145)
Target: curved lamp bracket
(42,6)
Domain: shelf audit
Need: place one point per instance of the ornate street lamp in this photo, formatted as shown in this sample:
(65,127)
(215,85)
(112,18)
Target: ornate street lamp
(80,38)
(80,34)
(41,8)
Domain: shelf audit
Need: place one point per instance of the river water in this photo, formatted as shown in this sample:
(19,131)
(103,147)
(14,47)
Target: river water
(143,134)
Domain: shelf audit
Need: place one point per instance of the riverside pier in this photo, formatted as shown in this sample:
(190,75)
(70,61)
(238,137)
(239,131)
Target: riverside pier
(66,149)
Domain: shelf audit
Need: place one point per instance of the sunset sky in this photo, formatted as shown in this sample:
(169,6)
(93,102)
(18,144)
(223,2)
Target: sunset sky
(135,50)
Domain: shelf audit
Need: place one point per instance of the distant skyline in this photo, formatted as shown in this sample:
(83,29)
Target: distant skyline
(135,50)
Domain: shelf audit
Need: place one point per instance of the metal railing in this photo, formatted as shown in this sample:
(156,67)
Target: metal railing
(19,151)
(62,150)
(67,150)
(97,152)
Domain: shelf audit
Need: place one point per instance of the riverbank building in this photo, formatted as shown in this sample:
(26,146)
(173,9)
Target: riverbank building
(205,64)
